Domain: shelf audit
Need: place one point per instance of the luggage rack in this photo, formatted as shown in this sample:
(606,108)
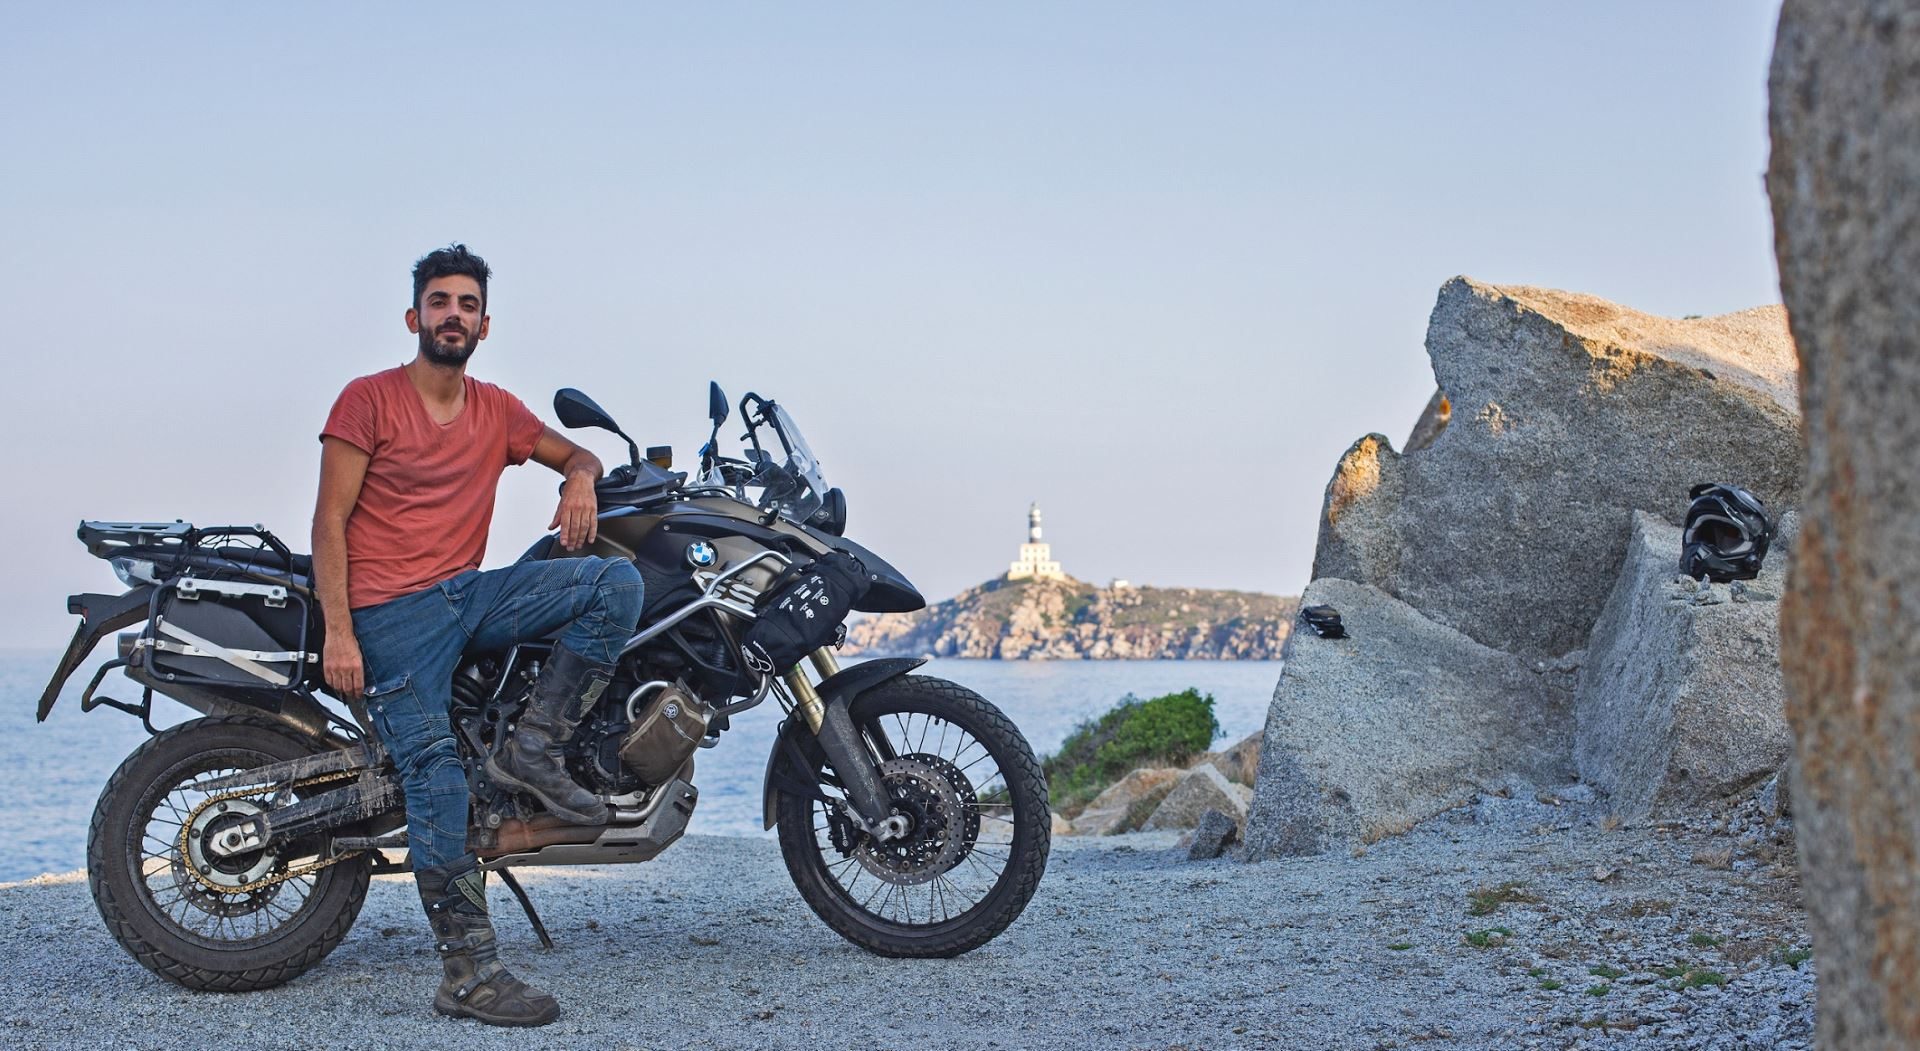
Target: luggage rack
(241,576)
(181,545)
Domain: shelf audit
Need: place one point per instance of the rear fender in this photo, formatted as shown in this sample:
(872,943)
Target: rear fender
(100,616)
(795,738)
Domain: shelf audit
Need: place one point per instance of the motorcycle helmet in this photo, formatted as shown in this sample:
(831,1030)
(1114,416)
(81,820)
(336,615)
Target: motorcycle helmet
(1726,534)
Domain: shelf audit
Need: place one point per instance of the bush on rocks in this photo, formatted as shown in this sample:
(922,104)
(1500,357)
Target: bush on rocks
(1164,731)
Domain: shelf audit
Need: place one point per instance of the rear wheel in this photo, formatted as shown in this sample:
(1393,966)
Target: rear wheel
(205,921)
(980,829)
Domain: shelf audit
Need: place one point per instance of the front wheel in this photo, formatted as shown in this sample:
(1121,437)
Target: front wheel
(977,802)
(231,923)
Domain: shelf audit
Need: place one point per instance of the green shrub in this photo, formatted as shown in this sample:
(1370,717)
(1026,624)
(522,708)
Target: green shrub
(1164,731)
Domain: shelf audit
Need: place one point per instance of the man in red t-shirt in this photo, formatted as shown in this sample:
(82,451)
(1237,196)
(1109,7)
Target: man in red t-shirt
(409,462)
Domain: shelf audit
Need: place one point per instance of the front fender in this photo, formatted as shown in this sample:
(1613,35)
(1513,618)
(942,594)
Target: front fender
(839,689)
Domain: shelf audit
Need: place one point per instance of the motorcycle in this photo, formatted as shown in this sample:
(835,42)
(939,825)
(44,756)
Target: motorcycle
(233,851)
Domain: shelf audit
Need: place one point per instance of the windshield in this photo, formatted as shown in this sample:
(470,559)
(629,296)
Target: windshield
(800,460)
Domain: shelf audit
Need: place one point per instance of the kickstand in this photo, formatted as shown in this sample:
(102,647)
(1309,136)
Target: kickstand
(506,877)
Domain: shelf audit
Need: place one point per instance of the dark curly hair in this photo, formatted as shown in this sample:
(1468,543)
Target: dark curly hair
(451,261)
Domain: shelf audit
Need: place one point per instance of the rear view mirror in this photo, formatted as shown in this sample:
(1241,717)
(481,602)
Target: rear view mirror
(577,410)
(716,404)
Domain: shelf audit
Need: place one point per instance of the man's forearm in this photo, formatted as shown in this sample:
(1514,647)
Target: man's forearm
(330,573)
(583,462)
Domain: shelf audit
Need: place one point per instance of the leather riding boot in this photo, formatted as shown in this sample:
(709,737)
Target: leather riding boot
(476,984)
(533,759)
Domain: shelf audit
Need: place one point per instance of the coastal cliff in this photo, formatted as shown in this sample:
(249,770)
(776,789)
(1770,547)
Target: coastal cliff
(1066,619)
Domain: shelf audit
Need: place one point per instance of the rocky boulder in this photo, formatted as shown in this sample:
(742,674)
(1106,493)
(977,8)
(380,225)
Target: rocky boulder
(1845,118)
(1679,699)
(1212,836)
(1238,764)
(1127,802)
(1404,719)
(1201,789)
(1557,416)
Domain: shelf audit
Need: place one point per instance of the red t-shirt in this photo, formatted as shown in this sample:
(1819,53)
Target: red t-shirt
(427,501)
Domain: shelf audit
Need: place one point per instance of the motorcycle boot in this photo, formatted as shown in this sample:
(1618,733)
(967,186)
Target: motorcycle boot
(476,985)
(533,759)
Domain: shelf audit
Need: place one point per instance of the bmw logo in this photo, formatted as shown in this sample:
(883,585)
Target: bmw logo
(700,554)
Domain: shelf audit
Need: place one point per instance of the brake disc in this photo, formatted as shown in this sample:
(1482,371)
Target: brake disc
(946,820)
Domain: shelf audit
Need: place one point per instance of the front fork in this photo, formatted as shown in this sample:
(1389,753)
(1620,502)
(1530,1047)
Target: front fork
(846,753)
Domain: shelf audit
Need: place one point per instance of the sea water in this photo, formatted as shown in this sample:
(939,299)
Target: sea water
(51,773)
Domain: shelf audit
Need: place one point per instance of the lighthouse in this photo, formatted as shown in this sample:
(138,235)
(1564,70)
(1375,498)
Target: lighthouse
(1036,555)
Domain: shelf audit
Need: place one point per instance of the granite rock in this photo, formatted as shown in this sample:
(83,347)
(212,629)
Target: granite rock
(1404,719)
(1565,413)
(1126,802)
(1214,833)
(1680,698)
(1843,178)
(1201,789)
(1238,764)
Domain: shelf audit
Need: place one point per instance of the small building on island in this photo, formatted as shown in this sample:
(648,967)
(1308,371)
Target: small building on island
(1036,555)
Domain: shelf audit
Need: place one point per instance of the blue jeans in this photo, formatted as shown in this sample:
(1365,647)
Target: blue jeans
(410,646)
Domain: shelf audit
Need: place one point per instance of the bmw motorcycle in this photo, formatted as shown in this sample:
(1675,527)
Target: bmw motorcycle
(233,851)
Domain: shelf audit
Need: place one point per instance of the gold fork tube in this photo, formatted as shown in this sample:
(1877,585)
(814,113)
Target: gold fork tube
(825,663)
(805,697)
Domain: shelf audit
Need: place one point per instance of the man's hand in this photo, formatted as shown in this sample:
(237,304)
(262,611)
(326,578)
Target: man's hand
(579,513)
(578,517)
(342,666)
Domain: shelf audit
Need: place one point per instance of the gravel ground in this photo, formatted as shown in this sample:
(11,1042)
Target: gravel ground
(1584,939)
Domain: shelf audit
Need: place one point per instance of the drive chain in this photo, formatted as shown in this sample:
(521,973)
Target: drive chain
(187,826)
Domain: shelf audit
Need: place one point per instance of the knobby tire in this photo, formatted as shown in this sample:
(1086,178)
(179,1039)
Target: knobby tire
(1015,886)
(114,851)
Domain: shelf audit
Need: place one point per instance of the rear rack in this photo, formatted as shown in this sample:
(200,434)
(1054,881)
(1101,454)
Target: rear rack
(247,548)
(110,539)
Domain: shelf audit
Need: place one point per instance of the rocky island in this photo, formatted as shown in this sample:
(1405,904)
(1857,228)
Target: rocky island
(1035,611)
(1067,619)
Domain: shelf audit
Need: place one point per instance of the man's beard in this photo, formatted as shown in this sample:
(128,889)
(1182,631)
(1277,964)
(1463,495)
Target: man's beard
(451,357)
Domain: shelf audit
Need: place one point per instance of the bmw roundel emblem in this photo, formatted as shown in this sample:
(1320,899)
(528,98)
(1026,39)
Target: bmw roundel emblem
(700,554)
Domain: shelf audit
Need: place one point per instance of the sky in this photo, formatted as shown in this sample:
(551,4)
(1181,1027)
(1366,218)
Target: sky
(1154,266)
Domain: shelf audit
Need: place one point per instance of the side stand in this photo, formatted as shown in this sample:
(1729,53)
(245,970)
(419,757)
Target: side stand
(506,877)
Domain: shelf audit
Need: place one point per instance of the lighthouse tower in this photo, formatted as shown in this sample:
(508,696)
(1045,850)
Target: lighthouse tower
(1036,556)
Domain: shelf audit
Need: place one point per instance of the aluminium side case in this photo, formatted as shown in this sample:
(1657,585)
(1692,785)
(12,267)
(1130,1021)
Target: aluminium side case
(207,631)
